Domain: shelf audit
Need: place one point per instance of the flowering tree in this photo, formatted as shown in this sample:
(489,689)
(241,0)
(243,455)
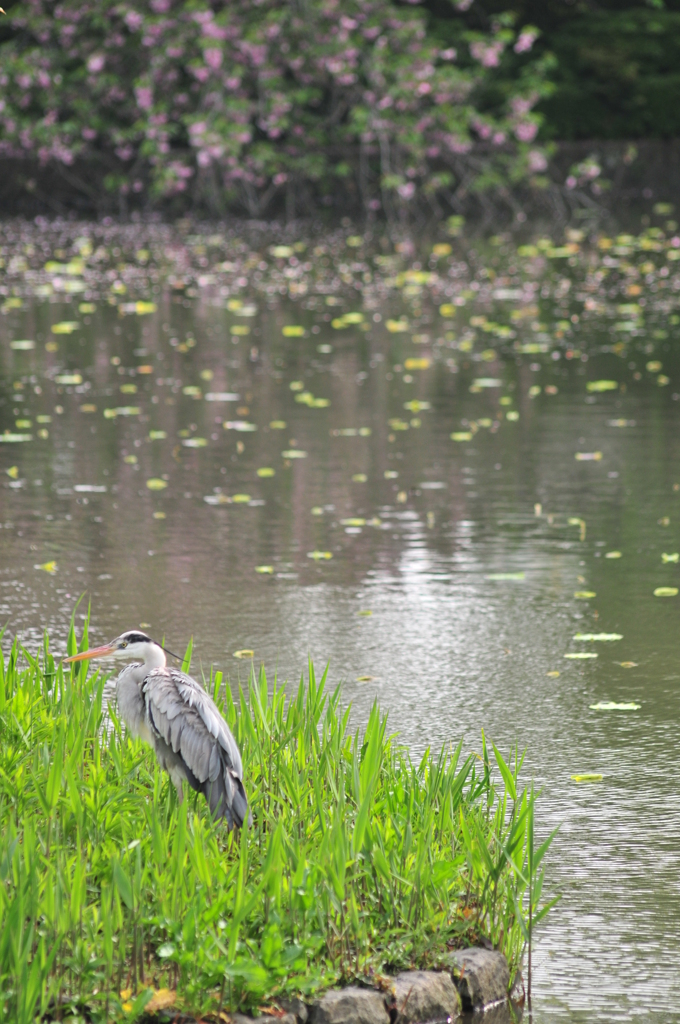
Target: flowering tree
(238,101)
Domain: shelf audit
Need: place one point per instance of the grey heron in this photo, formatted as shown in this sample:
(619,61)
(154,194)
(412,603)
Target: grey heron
(173,714)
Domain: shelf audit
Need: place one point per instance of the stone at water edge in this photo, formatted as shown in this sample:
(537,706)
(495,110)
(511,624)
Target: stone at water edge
(350,1006)
(424,996)
(241,1018)
(481,975)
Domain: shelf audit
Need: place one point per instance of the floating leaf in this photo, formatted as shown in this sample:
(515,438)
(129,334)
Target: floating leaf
(128,389)
(553,675)
(670,558)
(352,522)
(588,456)
(241,425)
(366,679)
(281,251)
(69,378)
(513,416)
(294,453)
(22,346)
(505,576)
(12,472)
(130,459)
(195,442)
(366,612)
(245,653)
(597,636)
(319,555)
(417,364)
(222,396)
(359,478)
(88,407)
(65,327)
(461,435)
(192,391)
(277,425)
(156,484)
(416,406)
(613,554)
(93,488)
(610,705)
(241,499)
(157,435)
(396,326)
(266,471)
(390,474)
(581,655)
(293,331)
(487,382)
(666,592)
(9,438)
(143,308)
(627,664)
(585,595)
(602,385)
(587,777)
(264,568)
(47,567)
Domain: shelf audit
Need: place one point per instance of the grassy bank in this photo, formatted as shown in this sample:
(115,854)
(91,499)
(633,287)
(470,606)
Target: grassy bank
(359,860)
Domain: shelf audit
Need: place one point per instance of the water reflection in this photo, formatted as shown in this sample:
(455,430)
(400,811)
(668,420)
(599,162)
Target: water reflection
(143,487)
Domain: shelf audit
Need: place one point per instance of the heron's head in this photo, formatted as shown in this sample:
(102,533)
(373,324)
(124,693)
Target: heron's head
(131,644)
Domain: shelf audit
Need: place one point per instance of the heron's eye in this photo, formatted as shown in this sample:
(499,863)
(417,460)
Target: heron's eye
(124,643)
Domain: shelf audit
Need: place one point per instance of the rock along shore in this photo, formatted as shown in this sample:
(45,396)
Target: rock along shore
(478,981)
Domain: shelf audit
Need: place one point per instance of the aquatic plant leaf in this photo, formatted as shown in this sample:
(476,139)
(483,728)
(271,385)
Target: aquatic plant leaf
(50,567)
(9,438)
(241,499)
(417,364)
(611,705)
(293,331)
(666,592)
(195,442)
(359,478)
(581,655)
(587,777)
(65,327)
(266,471)
(352,522)
(674,557)
(585,595)
(268,569)
(505,576)
(294,453)
(627,664)
(487,382)
(319,556)
(12,472)
(588,456)
(245,653)
(69,378)
(156,484)
(397,326)
(23,345)
(602,385)
(597,636)
(612,554)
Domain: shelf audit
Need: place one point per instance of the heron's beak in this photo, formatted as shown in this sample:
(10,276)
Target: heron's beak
(94,652)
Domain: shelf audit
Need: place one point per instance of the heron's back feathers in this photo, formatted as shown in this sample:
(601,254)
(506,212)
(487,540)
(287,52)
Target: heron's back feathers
(193,741)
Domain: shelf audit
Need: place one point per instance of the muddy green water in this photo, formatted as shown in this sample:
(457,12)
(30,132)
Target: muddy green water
(450,596)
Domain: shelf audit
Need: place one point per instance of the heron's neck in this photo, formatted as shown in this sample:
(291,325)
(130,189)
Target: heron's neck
(154,657)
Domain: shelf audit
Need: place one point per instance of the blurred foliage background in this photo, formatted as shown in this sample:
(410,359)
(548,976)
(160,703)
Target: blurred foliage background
(379,107)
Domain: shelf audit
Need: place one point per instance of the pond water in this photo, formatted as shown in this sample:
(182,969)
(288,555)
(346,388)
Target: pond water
(399,461)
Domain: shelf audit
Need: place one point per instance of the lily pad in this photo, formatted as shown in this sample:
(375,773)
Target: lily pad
(156,484)
(245,653)
(611,705)
(587,777)
(602,385)
(666,592)
(585,595)
(598,636)
(581,655)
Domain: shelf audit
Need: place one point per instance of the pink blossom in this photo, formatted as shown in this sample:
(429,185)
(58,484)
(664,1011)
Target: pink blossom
(89,134)
(280,179)
(449,54)
(24,81)
(232,82)
(174,52)
(571,181)
(125,152)
(160,6)
(521,105)
(44,80)
(537,161)
(498,138)
(213,57)
(371,33)
(96,63)
(526,131)
(488,54)
(144,97)
(213,31)
(407,190)
(133,20)
(424,88)
(201,73)
(525,40)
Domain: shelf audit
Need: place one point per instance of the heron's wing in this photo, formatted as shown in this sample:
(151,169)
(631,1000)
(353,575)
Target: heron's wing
(187,719)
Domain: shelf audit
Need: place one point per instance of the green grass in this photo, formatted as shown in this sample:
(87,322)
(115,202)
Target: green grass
(359,860)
